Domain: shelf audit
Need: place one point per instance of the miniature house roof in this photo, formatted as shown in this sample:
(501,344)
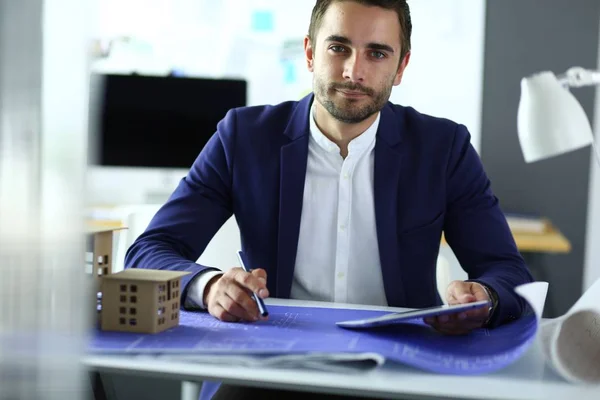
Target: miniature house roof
(147,275)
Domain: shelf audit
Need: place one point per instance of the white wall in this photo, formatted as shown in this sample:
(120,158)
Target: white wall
(445,74)
(215,38)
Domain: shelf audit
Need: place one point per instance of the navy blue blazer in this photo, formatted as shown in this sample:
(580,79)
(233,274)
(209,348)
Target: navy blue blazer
(427,179)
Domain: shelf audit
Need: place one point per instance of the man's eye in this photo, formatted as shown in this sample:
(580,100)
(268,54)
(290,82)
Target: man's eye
(337,49)
(377,54)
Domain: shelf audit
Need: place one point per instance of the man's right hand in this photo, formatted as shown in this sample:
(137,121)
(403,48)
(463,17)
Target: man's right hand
(229,296)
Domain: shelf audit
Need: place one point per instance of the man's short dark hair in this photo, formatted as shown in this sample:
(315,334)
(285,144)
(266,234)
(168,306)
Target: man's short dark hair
(400,6)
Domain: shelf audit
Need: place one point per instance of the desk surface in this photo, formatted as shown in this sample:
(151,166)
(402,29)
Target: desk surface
(550,241)
(528,378)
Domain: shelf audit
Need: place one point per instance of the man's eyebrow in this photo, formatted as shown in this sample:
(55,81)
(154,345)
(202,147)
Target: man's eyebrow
(372,46)
(338,38)
(380,46)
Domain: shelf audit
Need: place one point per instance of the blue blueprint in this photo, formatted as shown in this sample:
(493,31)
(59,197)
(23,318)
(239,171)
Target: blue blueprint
(302,330)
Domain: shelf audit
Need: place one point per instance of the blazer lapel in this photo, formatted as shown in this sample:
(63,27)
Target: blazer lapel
(294,156)
(388,166)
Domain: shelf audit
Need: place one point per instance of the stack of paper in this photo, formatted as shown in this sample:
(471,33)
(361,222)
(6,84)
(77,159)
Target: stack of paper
(526,223)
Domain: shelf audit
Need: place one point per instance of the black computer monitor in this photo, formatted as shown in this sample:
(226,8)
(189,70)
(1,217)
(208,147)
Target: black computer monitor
(158,121)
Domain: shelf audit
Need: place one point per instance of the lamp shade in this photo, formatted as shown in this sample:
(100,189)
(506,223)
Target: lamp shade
(550,120)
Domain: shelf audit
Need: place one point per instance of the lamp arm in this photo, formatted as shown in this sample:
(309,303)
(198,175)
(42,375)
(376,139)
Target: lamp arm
(579,77)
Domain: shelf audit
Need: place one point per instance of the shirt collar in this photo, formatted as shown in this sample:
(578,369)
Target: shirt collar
(358,144)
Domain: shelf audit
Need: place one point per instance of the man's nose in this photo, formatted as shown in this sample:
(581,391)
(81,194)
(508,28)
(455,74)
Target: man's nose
(354,68)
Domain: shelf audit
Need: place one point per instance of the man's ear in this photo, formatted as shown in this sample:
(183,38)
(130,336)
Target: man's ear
(308,52)
(401,69)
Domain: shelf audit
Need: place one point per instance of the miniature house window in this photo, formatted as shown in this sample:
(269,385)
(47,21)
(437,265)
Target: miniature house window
(132,321)
(123,310)
(133,299)
(123,299)
(106,260)
(123,288)
(122,321)
(161,288)
(100,259)
(105,271)
(99,271)
(133,311)
(133,288)
(176,305)
(173,284)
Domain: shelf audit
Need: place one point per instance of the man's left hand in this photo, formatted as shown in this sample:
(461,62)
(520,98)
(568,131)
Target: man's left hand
(460,292)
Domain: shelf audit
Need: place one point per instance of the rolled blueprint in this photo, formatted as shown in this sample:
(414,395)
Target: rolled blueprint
(572,341)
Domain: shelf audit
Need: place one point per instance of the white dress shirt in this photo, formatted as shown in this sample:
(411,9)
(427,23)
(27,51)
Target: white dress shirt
(338,255)
(337,258)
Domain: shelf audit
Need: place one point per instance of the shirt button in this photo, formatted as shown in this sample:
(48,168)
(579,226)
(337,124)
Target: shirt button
(342,227)
(340,275)
(346,176)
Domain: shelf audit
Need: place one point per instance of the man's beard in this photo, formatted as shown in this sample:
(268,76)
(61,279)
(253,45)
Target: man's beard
(346,110)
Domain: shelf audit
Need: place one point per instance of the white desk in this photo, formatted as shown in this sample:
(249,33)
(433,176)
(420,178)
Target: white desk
(528,378)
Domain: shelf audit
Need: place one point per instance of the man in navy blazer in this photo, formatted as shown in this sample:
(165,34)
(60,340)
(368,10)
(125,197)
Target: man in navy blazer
(274,168)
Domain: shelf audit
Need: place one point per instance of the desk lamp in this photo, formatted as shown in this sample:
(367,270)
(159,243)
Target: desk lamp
(550,120)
